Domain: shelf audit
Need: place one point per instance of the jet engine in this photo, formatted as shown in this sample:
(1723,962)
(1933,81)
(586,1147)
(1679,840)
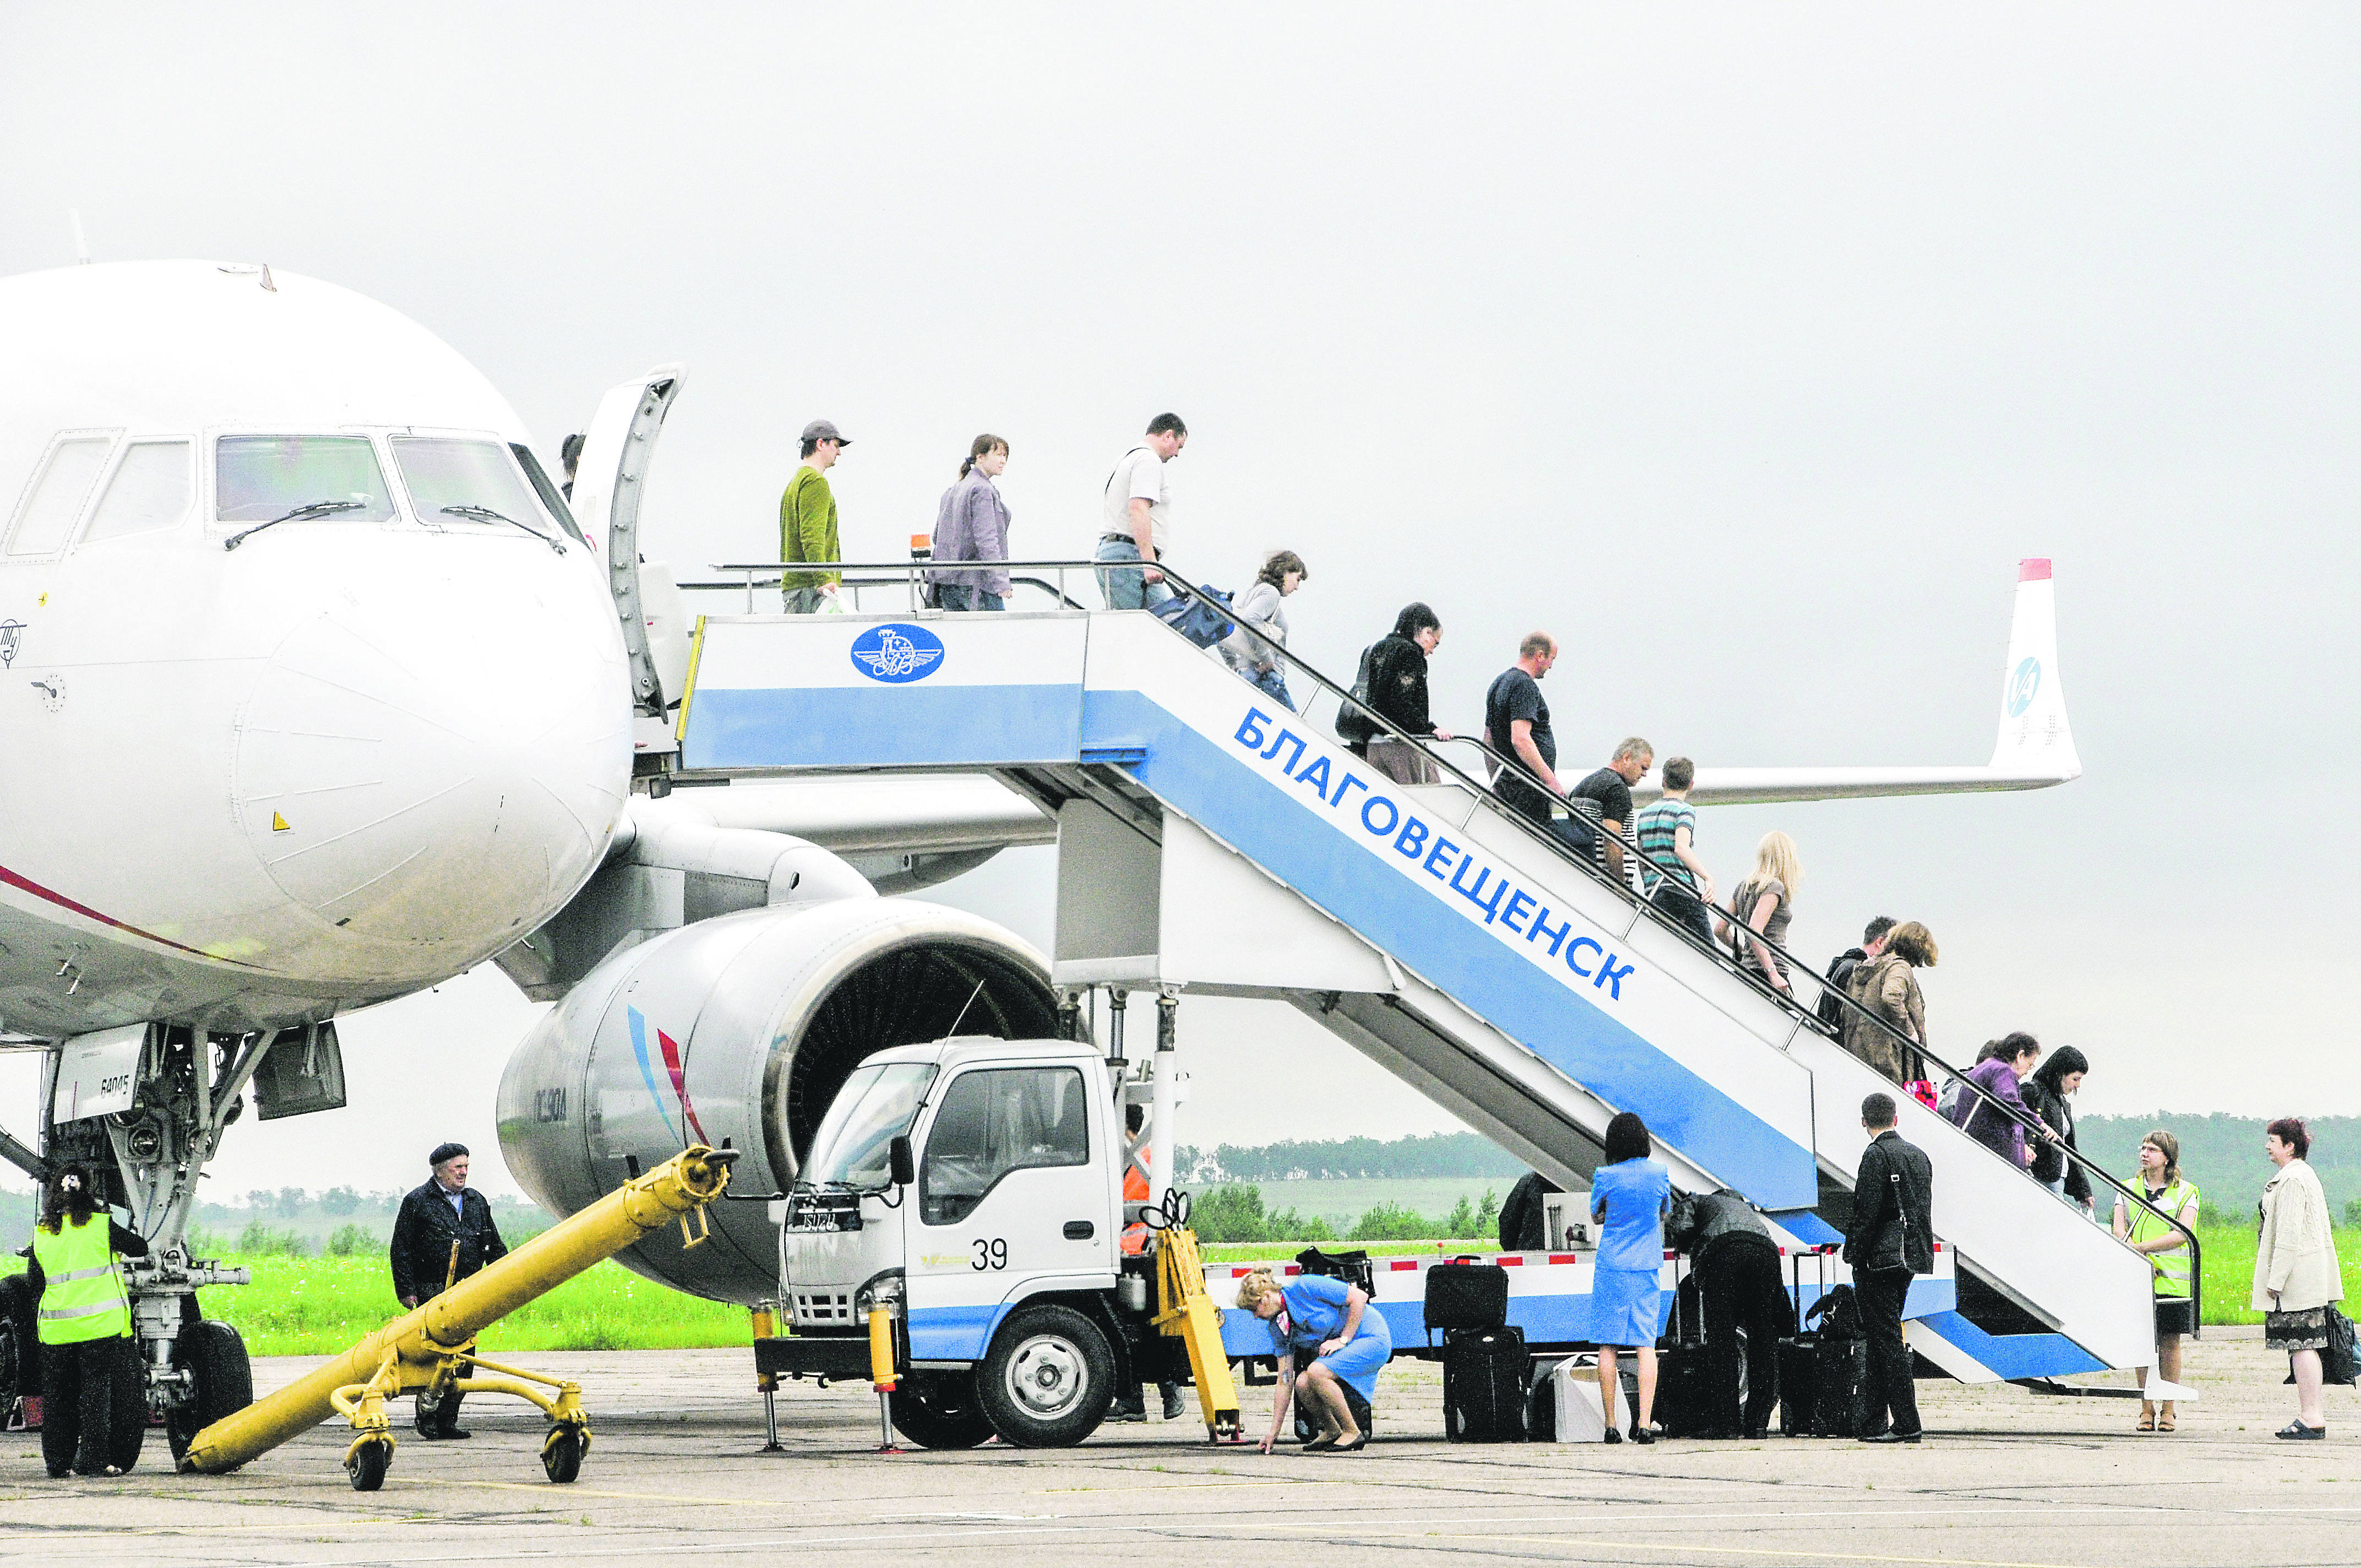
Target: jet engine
(737,1031)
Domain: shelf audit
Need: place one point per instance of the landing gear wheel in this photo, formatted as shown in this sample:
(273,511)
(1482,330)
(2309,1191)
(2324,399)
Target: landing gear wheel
(562,1453)
(367,1464)
(215,1356)
(127,1431)
(940,1410)
(1048,1378)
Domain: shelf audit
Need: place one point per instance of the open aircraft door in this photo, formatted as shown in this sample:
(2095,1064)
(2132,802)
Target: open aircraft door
(609,480)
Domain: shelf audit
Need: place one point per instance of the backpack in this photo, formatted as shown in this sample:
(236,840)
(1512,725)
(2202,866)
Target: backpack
(1838,1312)
(1354,726)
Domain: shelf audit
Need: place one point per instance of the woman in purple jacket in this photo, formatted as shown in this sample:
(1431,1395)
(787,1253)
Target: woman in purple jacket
(971,524)
(1998,1121)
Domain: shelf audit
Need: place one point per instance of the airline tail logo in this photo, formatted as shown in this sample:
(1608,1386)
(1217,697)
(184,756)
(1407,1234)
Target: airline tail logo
(670,1051)
(2022,685)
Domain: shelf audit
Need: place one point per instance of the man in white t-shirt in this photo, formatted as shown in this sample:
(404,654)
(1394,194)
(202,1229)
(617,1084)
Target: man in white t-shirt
(1138,522)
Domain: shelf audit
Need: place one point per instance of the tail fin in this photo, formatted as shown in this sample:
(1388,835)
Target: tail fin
(2035,741)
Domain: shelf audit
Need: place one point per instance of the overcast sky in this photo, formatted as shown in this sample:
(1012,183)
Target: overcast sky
(1745,347)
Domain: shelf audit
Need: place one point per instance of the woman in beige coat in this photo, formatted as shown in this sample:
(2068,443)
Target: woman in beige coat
(2296,1272)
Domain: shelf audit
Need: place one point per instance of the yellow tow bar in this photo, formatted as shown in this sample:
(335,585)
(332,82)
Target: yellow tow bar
(432,1350)
(1184,1312)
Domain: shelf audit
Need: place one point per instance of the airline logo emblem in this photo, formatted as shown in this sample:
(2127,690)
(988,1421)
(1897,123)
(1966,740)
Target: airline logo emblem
(2022,685)
(11,632)
(899,654)
(670,1051)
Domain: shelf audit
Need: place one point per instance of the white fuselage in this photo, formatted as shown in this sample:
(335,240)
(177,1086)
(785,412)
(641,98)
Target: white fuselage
(339,763)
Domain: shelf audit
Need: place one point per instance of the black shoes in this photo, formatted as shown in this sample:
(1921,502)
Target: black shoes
(1642,1435)
(1173,1407)
(1891,1436)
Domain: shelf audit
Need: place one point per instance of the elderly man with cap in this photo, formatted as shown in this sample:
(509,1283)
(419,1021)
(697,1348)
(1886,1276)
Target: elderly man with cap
(807,521)
(445,1232)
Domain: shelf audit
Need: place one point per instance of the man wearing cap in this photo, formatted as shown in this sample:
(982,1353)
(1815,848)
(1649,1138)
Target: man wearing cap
(445,1232)
(807,521)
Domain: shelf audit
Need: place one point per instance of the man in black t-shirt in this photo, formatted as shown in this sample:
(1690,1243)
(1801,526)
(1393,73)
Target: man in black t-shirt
(1603,802)
(1517,722)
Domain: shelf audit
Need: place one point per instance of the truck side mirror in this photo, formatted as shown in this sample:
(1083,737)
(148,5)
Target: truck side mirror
(902,1162)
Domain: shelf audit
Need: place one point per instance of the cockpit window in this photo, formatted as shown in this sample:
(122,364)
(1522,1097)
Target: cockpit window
(460,482)
(149,490)
(335,478)
(57,495)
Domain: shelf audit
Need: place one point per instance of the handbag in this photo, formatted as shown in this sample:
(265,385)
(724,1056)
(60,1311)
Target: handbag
(1194,619)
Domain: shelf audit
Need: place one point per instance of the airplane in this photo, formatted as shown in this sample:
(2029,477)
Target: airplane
(316,692)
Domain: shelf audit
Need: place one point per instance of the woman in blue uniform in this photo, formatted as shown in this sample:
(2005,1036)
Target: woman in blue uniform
(1629,1196)
(1314,1312)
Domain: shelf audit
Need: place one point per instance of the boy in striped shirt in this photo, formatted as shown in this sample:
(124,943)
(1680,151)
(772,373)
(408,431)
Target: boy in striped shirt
(1673,876)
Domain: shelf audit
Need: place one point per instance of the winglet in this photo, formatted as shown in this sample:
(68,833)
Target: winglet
(2035,741)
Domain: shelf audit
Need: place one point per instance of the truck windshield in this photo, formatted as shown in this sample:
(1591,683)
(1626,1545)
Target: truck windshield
(872,1109)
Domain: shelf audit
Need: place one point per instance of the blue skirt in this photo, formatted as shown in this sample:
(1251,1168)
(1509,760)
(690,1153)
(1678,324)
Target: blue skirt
(1625,1307)
(1360,1361)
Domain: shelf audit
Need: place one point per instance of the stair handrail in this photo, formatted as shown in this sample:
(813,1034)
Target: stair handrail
(1487,795)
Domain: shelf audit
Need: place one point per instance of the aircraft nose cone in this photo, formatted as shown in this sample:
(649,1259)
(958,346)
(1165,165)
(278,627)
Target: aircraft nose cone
(437,768)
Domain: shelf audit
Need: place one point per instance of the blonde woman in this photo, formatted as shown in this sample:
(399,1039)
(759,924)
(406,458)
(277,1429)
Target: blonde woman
(1762,904)
(1350,1345)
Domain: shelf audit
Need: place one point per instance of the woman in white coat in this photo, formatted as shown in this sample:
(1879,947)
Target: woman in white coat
(2296,1272)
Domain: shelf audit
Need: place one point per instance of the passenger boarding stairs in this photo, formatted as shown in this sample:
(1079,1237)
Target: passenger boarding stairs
(1209,843)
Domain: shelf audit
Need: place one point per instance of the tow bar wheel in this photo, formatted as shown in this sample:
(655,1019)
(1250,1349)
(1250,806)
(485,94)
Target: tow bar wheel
(1048,1378)
(561,1451)
(367,1462)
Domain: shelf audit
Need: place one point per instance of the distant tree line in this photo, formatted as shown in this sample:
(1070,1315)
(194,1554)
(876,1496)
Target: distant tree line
(2223,1156)
(1429,1154)
(1232,1212)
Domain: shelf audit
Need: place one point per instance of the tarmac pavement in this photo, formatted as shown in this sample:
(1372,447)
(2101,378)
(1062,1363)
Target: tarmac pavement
(677,1473)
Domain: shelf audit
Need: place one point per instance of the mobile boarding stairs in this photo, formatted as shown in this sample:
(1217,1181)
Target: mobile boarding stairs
(1212,842)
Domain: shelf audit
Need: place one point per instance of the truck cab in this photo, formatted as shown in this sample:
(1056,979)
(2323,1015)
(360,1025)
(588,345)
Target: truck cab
(972,1189)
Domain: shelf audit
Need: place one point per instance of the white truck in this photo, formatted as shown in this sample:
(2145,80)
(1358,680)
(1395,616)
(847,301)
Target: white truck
(957,1237)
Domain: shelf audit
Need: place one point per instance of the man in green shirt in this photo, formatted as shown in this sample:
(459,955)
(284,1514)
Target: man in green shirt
(807,521)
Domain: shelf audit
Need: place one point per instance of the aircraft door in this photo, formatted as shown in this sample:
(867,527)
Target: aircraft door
(608,480)
(1010,1188)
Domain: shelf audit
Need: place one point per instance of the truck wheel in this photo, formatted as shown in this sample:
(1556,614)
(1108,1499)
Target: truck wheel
(127,1431)
(940,1410)
(1048,1378)
(20,1346)
(214,1355)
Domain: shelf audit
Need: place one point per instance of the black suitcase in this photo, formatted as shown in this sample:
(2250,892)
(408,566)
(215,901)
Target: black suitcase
(1484,1375)
(1305,1428)
(1684,1406)
(1841,1392)
(1799,1383)
(1799,1380)
(1465,1294)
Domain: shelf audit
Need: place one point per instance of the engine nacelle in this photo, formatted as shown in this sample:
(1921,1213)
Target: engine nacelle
(737,1031)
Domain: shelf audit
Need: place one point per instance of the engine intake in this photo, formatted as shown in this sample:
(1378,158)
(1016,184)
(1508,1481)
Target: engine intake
(737,1031)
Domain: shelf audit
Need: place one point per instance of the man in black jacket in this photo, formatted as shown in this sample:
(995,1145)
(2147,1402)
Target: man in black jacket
(1840,968)
(445,1230)
(1733,1285)
(1524,1226)
(1893,1238)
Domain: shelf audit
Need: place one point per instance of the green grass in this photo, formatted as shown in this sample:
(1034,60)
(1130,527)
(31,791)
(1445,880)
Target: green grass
(317,1306)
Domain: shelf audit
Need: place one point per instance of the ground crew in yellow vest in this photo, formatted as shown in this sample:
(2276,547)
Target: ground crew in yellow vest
(443,1234)
(2167,1245)
(84,1323)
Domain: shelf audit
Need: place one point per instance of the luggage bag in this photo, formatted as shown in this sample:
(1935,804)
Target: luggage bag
(1684,1404)
(1484,1392)
(1799,1380)
(1465,1294)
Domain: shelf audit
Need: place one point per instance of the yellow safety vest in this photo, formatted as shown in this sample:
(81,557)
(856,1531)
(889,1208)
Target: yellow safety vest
(2172,1268)
(83,1296)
